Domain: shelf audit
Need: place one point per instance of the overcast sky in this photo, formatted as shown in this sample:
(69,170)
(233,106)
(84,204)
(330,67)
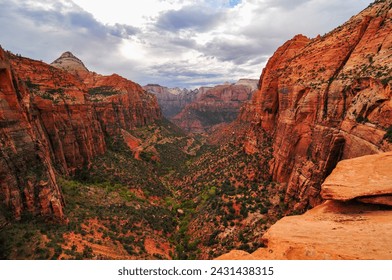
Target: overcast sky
(169,42)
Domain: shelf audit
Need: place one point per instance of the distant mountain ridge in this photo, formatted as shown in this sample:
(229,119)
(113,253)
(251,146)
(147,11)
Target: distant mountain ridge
(215,106)
(191,110)
(172,100)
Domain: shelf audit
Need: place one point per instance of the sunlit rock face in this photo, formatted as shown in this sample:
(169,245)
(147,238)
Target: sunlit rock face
(354,222)
(55,118)
(322,100)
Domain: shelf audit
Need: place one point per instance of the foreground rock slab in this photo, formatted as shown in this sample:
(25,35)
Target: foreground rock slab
(363,176)
(334,230)
(356,224)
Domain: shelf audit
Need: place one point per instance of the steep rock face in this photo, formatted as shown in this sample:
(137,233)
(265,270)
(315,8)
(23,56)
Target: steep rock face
(172,100)
(323,100)
(338,229)
(52,119)
(27,178)
(220,104)
(124,104)
(70,122)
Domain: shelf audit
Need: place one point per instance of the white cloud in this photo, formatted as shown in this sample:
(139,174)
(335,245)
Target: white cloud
(171,42)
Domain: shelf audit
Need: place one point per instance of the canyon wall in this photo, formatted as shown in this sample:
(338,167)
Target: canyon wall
(27,177)
(216,106)
(173,100)
(56,120)
(322,100)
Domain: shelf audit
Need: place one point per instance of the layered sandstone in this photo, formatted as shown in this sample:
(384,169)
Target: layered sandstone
(338,229)
(27,177)
(218,105)
(56,118)
(70,63)
(172,100)
(365,176)
(322,100)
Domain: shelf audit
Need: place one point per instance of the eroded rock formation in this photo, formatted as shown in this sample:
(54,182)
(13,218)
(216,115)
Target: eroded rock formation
(173,100)
(322,100)
(343,227)
(55,120)
(218,105)
(27,177)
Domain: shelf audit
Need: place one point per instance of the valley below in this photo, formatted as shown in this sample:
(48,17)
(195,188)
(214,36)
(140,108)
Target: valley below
(295,165)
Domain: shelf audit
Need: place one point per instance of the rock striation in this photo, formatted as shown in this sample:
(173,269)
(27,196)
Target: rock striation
(70,63)
(216,106)
(342,227)
(322,100)
(173,100)
(56,120)
(27,176)
(367,176)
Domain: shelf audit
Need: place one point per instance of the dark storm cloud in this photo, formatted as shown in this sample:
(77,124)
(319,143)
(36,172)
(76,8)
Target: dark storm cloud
(190,17)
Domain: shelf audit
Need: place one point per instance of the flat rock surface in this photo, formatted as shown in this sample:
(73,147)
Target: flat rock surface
(333,230)
(382,199)
(363,176)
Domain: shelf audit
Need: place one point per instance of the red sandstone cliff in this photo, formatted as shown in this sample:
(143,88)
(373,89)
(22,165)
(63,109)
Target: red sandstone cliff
(27,178)
(323,100)
(218,105)
(51,117)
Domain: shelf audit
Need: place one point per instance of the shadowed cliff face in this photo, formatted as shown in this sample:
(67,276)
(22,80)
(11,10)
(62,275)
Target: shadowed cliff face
(54,120)
(27,179)
(323,100)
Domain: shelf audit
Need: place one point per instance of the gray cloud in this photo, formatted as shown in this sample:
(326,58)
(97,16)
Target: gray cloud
(170,50)
(122,30)
(286,4)
(196,18)
(239,52)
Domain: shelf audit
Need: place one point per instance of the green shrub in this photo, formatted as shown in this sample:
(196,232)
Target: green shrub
(388,134)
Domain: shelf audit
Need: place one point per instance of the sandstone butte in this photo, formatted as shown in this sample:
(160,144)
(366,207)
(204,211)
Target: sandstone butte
(50,117)
(339,228)
(322,100)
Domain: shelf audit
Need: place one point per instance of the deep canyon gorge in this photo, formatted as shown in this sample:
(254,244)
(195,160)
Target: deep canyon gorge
(99,167)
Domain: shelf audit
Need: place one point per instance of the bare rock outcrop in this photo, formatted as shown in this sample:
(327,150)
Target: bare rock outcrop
(342,227)
(70,63)
(27,177)
(55,121)
(218,105)
(322,100)
(367,176)
(172,100)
